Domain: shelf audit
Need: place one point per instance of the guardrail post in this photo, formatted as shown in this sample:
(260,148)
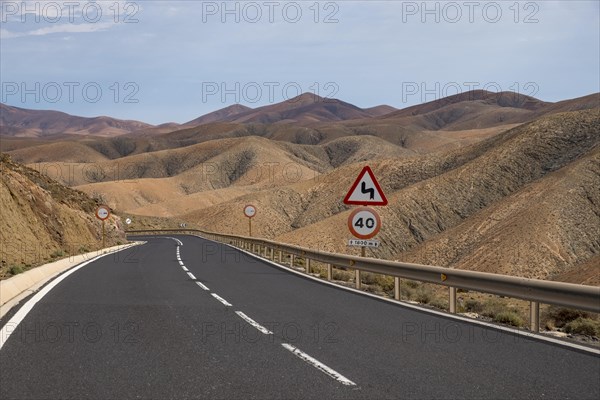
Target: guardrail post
(396,288)
(280,256)
(272,257)
(452,299)
(307,265)
(291,261)
(265,252)
(329,272)
(534,316)
(357,278)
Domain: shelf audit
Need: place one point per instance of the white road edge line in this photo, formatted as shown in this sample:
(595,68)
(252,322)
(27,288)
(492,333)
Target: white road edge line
(222,300)
(540,337)
(191,275)
(318,365)
(203,286)
(253,323)
(14,322)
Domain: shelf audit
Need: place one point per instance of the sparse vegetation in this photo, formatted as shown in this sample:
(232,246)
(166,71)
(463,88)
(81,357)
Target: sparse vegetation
(384,283)
(439,303)
(472,305)
(492,307)
(560,316)
(340,275)
(411,284)
(423,294)
(15,269)
(572,321)
(100,198)
(57,253)
(509,318)
(583,326)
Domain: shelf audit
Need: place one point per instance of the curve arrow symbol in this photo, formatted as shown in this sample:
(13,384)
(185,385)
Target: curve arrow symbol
(371,191)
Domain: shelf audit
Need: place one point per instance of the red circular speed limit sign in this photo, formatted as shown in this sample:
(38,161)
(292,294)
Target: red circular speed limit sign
(249,211)
(364,223)
(102,212)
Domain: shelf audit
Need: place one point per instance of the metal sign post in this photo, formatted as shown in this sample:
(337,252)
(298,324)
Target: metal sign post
(102,213)
(250,212)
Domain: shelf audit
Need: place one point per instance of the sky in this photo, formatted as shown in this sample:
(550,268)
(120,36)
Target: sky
(172,61)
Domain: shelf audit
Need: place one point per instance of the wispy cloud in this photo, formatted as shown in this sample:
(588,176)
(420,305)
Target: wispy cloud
(53,29)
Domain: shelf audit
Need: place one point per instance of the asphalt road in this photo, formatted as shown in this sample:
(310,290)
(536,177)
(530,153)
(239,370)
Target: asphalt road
(138,325)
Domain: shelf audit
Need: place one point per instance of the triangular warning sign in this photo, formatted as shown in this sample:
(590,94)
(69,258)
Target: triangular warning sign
(366,190)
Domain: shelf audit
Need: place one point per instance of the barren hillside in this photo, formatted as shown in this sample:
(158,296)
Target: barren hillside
(42,220)
(448,194)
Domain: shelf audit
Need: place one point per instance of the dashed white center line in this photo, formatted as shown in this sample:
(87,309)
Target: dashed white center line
(222,300)
(203,286)
(180,262)
(254,323)
(184,268)
(319,365)
(179,243)
(191,275)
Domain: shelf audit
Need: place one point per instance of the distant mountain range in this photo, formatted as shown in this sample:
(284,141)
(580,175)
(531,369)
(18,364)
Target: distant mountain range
(474,109)
(22,122)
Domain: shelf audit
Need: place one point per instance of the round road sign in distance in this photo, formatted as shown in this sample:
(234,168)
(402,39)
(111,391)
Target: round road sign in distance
(249,211)
(364,223)
(102,212)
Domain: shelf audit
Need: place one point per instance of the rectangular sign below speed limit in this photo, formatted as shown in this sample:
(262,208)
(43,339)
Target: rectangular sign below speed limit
(363,243)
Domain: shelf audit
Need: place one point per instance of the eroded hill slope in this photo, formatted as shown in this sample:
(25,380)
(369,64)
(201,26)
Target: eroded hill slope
(42,220)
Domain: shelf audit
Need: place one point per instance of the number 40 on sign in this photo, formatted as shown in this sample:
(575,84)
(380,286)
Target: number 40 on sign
(364,223)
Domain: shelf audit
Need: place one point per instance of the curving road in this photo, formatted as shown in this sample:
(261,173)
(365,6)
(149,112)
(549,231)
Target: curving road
(185,318)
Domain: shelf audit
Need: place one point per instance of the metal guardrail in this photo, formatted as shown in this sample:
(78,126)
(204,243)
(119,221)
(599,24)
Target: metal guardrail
(536,291)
